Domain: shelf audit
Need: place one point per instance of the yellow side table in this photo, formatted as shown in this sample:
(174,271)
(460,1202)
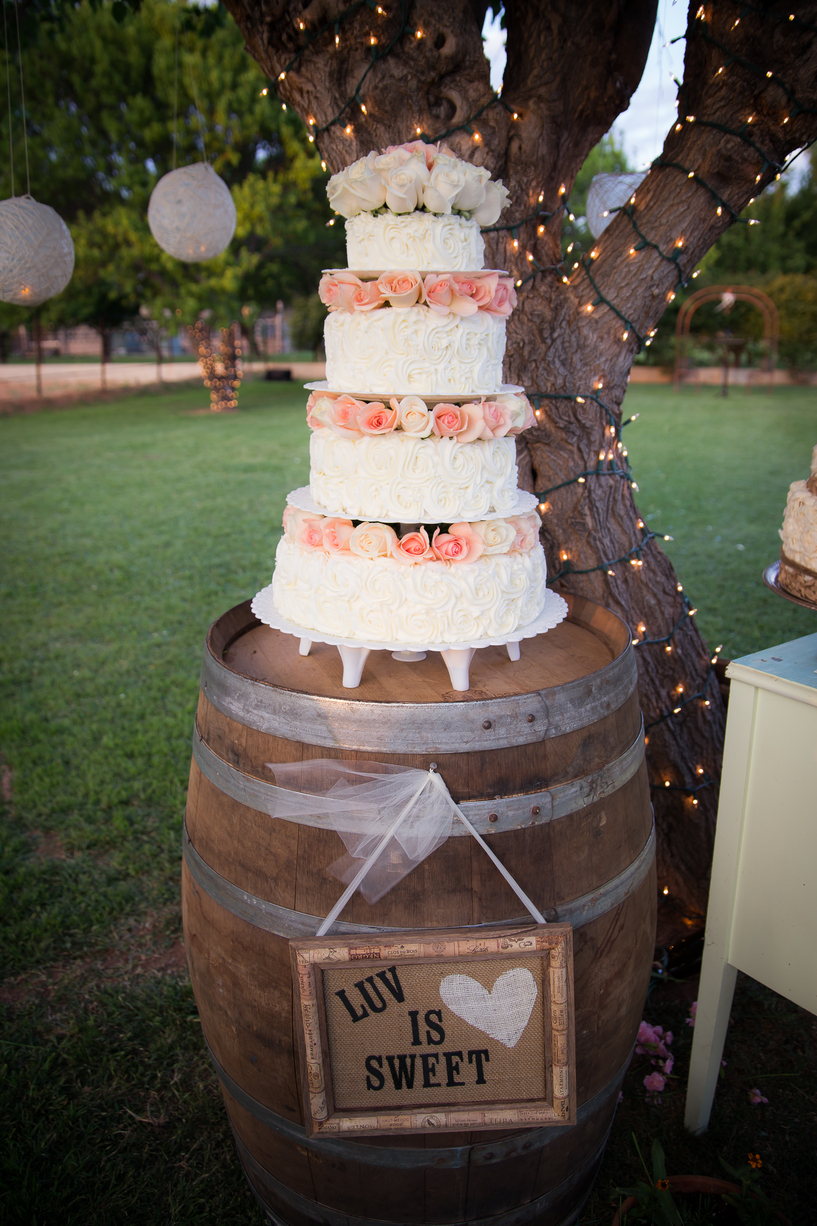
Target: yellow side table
(762,914)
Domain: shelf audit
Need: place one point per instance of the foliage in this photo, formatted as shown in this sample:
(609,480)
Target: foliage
(306,324)
(655,1203)
(608,156)
(100,106)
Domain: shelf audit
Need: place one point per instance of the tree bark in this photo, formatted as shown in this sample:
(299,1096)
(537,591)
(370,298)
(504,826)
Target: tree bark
(572,67)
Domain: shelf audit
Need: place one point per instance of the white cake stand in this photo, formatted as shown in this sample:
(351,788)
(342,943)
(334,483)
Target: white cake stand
(457,658)
(303,500)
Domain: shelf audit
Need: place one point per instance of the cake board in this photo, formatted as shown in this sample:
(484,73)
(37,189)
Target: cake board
(457,657)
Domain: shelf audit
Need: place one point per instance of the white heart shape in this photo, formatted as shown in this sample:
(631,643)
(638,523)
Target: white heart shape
(503,1013)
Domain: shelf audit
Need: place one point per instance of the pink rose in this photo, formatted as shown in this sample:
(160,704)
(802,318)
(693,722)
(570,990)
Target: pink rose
(480,290)
(655,1083)
(309,533)
(474,425)
(373,540)
(412,548)
(402,289)
(447,420)
(756,1098)
(669,1065)
(461,544)
(336,290)
(336,533)
(429,152)
(319,409)
(375,418)
(442,296)
(344,416)
(293,521)
(367,297)
(497,418)
(504,298)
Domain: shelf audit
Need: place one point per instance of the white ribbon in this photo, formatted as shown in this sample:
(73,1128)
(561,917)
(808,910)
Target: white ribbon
(359,799)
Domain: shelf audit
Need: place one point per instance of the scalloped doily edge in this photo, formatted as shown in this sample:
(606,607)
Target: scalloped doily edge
(555,610)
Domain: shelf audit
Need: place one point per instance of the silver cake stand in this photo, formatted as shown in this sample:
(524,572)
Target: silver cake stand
(771,577)
(457,659)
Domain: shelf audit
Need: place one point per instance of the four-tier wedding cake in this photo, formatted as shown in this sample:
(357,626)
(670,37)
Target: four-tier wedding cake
(412,532)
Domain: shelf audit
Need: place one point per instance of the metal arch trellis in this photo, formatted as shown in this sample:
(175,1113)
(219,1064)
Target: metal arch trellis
(709,293)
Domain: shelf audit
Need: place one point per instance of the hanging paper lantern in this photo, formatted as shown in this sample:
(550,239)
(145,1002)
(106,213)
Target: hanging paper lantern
(36,252)
(191,213)
(608,192)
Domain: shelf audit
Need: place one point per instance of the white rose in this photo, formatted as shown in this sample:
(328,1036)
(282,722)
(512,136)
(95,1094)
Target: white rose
(413,416)
(517,406)
(445,183)
(496,198)
(404,189)
(389,161)
(358,188)
(472,193)
(497,534)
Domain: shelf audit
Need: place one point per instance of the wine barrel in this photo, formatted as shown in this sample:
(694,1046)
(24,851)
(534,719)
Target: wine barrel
(546,757)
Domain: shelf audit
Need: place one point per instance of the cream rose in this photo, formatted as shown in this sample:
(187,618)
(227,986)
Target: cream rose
(405,184)
(359,188)
(498,535)
(319,410)
(472,193)
(526,529)
(413,415)
(520,409)
(401,289)
(446,181)
(372,540)
(496,199)
(473,424)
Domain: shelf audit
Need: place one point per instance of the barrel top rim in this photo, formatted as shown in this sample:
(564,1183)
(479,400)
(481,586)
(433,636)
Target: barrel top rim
(241,615)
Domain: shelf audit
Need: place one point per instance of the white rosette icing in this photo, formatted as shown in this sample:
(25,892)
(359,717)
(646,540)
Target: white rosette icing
(399,477)
(428,241)
(393,352)
(385,601)
(799,531)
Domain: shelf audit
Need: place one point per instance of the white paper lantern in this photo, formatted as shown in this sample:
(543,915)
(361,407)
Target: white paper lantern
(191,213)
(608,192)
(36,252)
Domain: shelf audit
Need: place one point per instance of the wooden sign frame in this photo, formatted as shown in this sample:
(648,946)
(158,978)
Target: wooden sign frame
(454,949)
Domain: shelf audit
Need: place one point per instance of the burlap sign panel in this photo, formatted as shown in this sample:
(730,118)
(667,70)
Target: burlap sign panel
(442,1032)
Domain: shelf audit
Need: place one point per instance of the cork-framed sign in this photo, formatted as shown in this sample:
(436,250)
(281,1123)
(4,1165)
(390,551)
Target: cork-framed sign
(436,1030)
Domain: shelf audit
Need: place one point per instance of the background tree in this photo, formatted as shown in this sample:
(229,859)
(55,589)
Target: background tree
(101,93)
(572,65)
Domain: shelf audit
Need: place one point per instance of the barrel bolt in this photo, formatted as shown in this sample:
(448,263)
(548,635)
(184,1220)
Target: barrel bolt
(536,810)
(530,718)
(493,817)
(486,723)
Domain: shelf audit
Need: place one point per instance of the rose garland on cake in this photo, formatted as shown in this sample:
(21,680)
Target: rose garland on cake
(447,293)
(462,542)
(350,418)
(417,177)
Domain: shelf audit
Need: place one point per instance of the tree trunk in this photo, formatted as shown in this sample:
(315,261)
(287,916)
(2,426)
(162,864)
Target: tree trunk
(419,69)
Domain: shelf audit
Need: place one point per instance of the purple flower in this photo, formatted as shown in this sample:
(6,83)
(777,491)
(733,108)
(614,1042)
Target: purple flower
(756,1098)
(690,1021)
(655,1083)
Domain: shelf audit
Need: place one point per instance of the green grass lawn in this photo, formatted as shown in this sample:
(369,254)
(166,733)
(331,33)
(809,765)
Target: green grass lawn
(128,527)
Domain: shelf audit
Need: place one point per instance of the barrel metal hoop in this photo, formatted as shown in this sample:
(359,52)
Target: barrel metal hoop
(352,724)
(317,1212)
(489,816)
(290,924)
(484,1153)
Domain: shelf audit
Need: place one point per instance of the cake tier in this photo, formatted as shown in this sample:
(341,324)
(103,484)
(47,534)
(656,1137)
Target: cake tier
(381,599)
(799,531)
(445,243)
(401,478)
(415,349)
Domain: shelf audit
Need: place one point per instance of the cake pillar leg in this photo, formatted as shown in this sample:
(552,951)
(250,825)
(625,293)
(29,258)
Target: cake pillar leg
(304,647)
(457,661)
(353,660)
(513,651)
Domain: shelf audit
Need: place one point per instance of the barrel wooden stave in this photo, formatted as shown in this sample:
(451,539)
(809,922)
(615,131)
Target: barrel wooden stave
(241,972)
